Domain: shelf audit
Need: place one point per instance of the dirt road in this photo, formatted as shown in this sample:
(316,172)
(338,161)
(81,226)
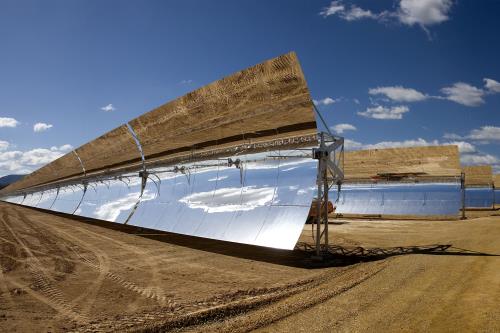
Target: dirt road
(66,274)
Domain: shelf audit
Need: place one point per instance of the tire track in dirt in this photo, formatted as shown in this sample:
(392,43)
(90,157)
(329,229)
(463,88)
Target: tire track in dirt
(99,262)
(265,306)
(151,318)
(42,281)
(151,290)
(328,286)
(4,289)
(104,270)
(84,301)
(7,263)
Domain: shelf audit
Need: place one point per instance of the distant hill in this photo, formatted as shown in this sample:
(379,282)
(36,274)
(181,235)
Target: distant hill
(9,179)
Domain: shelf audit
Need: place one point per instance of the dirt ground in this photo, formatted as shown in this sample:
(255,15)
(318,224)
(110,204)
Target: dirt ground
(63,273)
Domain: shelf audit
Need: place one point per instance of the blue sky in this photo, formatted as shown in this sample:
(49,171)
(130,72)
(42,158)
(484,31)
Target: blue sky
(390,73)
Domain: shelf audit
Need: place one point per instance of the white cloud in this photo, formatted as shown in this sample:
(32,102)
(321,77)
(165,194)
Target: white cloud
(424,12)
(63,148)
(8,122)
(334,8)
(325,101)
(464,93)
(406,143)
(492,85)
(355,145)
(39,156)
(399,93)
(479,159)
(355,13)
(341,128)
(452,136)
(22,162)
(382,112)
(352,145)
(484,134)
(108,108)
(4,145)
(41,127)
(348,13)
(186,82)
(463,146)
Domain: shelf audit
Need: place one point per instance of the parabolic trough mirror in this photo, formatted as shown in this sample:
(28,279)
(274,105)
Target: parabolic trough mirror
(230,161)
(400,199)
(479,197)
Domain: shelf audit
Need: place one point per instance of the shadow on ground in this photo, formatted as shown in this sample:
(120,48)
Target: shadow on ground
(350,255)
(301,256)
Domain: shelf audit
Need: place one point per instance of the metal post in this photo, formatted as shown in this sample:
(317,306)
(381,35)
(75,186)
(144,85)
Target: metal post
(325,211)
(328,164)
(493,195)
(319,181)
(462,187)
(318,218)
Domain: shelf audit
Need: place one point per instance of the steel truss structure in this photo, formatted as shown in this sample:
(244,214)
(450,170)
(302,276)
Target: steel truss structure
(330,156)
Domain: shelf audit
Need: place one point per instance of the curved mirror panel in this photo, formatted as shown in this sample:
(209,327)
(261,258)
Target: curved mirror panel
(479,197)
(296,179)
(229,199)
(32,199)
(68,199)
(397,199)
(17,199)
(110,200)
(47,199)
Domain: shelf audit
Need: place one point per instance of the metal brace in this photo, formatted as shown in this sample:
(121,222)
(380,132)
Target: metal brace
(330,172)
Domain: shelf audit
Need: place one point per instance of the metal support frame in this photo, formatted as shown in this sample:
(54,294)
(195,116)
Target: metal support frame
(330,156)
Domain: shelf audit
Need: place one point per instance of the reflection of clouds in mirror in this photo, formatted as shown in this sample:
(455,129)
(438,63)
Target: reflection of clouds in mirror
(304,191)
(111,210)
(149,195)
(78,211)
(290,164)
(217,178)
(230,199)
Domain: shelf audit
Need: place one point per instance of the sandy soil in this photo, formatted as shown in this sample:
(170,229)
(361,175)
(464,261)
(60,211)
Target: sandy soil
(66,274)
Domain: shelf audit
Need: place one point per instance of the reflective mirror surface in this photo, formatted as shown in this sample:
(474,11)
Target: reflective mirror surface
(399,199)
(480,197)
(261,199)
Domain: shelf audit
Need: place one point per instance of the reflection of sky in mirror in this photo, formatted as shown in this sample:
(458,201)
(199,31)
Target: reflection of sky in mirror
(248,200)
(229,199)
(398,199)
(479,197)
(216,199)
